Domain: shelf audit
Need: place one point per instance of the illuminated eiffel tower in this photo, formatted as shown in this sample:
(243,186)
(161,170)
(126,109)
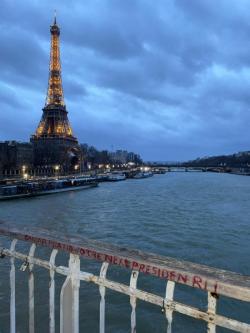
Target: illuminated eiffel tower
(54,143)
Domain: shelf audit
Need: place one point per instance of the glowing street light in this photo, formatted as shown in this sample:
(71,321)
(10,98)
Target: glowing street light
(24,172)
(56,167)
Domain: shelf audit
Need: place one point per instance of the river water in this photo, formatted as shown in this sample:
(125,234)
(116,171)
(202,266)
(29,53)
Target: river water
(200,217)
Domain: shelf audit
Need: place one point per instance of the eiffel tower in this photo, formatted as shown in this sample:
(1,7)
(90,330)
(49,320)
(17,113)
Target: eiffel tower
(53,141)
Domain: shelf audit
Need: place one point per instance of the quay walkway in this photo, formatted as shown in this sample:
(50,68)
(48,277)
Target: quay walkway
(210,281)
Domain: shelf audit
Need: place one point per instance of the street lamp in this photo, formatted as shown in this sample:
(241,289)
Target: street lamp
(24,172)
(56,167)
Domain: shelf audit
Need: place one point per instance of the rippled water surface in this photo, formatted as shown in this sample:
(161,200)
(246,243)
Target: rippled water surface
(200,217)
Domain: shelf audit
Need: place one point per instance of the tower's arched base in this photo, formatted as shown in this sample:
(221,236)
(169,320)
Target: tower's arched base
(62,154)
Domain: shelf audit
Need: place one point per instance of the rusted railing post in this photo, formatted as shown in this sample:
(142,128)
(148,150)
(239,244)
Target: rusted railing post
(211,309)
(168,299)
(52,292)
(133,284)
(102,290)
(31,291)
(69,298)
(12,289)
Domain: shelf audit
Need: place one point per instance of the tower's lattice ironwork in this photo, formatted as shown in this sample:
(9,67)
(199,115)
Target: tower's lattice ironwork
(55,90)
(54,139)
(54,122)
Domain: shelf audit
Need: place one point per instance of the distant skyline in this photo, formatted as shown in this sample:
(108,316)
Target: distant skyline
(169,80)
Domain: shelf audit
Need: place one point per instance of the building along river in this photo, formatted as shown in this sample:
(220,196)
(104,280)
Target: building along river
(199,217)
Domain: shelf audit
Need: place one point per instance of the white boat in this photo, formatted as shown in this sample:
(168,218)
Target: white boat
(116,176)
(144,174)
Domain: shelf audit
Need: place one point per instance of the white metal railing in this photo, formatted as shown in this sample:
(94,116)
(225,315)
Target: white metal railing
(212,281)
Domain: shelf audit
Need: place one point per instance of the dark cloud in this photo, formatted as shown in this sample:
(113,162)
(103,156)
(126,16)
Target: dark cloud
(168,79)
(73,88)
(8,97)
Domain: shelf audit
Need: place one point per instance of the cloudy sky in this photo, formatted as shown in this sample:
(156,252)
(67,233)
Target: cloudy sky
(169,79)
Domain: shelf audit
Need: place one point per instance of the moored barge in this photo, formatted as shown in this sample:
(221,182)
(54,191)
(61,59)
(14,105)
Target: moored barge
(38,188)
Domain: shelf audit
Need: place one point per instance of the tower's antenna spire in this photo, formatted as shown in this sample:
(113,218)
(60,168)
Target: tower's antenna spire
(55,90)
(55,17)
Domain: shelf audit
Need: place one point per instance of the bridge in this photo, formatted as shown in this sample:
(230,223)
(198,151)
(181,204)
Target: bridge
(186,169)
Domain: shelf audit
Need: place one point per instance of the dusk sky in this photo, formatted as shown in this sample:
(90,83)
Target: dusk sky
(169,79)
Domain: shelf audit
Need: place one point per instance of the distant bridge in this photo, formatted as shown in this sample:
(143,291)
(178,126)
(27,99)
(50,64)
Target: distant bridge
(186,169)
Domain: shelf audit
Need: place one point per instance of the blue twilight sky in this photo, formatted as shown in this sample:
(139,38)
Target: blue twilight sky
(169,79)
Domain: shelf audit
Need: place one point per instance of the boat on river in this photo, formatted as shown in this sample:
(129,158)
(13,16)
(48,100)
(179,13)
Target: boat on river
(38,188)
(159,171)
(116,176)
(144,174)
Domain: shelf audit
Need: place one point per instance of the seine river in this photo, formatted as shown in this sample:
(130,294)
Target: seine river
(200,217)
